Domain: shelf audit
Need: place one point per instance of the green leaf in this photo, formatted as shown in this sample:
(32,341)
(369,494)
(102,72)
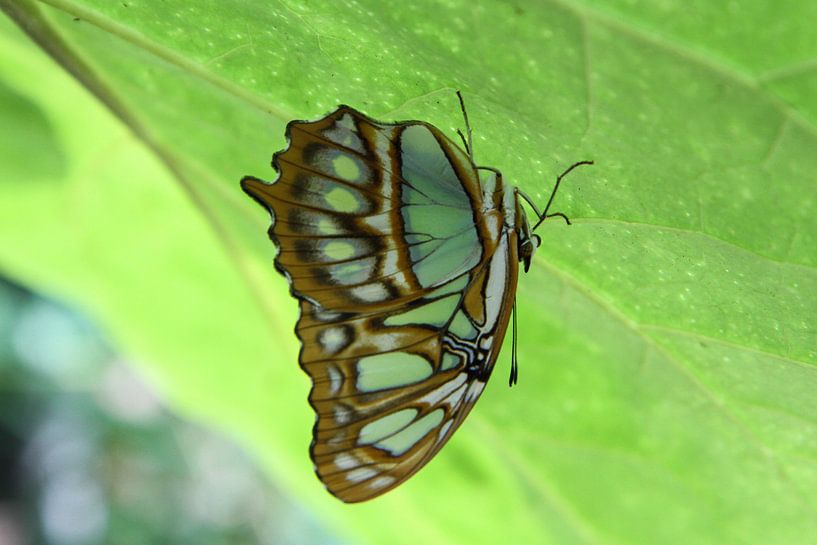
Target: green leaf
(667,338)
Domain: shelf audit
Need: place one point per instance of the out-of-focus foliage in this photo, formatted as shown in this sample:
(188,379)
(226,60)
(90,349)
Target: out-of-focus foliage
(88,454)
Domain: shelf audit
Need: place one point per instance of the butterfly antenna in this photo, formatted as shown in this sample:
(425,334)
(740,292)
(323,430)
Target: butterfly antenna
(544,215)
(514,360)
(469,143)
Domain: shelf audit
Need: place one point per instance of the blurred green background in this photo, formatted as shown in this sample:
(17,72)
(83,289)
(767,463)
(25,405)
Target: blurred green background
(89,454)
(667,338)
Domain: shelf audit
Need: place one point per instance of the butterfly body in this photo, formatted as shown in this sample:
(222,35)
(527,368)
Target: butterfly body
(404,258)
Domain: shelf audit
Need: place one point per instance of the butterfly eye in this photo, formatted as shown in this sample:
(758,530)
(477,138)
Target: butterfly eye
(525,249)
(528,246)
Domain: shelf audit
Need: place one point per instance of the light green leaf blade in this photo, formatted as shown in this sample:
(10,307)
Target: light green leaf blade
(667,338)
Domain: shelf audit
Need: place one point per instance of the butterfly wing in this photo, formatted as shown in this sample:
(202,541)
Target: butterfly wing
(404,279)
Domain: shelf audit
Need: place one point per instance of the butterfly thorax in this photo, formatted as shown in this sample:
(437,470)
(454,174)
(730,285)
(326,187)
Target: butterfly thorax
(526,242)
(508,205)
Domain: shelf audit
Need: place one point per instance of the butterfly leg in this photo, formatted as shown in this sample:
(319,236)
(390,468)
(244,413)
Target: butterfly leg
(544,215)
(560,215)
(536,210)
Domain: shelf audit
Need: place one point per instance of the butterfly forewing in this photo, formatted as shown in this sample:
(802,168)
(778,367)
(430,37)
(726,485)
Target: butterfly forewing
(405,280)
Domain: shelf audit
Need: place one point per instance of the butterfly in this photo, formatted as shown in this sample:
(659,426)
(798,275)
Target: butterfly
(403,256)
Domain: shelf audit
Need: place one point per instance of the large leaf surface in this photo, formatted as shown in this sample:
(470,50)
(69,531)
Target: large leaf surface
(667,338)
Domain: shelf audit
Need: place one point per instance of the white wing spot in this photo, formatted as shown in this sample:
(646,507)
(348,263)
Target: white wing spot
(389,341)
(371,293)
(344,461)
(325,315)
(497,278)
(342,414)
(383,144)
(333,339)
(344,133)
(360,474)
(335,379)
(435,396)
(382,482)
(474,390)
(382,224)
(391,265)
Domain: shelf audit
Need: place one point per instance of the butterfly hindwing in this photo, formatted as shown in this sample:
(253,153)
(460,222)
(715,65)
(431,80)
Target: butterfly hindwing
(405,279)
(383,415)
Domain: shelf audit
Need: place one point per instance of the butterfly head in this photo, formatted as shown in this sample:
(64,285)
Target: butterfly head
(528,241)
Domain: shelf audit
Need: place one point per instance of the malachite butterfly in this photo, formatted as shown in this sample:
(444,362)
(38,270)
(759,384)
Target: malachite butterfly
(403,255)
